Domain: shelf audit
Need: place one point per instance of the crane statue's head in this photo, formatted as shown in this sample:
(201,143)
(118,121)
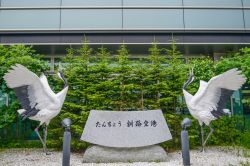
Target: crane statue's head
(61,76)
(190,78)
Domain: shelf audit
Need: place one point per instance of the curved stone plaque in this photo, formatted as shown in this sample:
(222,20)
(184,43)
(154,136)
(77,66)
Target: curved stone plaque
(126,128)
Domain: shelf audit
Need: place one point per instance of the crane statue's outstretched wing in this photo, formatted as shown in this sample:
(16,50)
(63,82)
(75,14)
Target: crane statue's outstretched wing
(212,95)
(33,92)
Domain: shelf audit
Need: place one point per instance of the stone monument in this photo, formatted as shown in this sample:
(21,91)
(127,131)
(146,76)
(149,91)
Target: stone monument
(125,136)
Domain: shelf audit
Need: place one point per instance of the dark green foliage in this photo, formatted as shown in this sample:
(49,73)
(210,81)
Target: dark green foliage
(240,60)
(227,129)
(155,78)
(7,114)
(20,144)
(244,139)
(173,81)
(122,81)
(141,83)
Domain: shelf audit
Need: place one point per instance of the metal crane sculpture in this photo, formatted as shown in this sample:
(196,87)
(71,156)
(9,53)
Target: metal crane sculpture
(37,99)
(209,102)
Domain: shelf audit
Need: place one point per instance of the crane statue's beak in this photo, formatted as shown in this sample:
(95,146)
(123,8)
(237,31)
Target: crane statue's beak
(61,76)
(191,72)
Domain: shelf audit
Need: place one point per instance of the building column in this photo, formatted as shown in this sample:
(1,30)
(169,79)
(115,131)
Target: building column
(217,56)
(52,64)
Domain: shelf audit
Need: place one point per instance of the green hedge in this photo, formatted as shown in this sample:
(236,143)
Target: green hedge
(99,80)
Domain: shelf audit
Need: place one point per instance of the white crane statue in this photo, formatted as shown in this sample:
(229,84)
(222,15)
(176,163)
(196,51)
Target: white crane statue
(37,99)
(210,100)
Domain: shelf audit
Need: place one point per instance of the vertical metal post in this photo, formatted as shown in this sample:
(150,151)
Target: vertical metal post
(185,148)
(232,105)
(66,142)
(7,99)
(185,142)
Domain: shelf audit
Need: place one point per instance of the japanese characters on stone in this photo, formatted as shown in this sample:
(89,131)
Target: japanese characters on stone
(128,123)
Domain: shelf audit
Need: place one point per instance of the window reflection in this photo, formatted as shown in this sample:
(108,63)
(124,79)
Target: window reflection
(246,3)
(153,18)
(92,18)
(29,3)
(29,19)
(214,3)
(152,2)
(91,2)
(247,18)
(205,18)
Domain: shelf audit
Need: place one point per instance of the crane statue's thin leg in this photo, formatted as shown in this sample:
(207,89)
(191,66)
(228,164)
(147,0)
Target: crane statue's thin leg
(45,138)
(202,138)
(37,132)
(211,131)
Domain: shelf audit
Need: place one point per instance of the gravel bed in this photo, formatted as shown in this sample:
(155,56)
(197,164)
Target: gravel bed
(213,156)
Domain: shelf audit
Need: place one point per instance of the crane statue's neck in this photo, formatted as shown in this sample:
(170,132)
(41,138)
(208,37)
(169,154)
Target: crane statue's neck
(188,82)
(61,75)
(64,80)
(62,94)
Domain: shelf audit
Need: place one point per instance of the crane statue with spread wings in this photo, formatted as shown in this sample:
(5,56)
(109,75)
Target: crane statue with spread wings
(37,99)
(210,100)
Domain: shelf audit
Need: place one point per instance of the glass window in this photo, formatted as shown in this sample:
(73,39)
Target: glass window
(246,3)
(29,19)
(151,18)
(91,2)
(206,18)
(247,18)
(91,18)
(216,3)
(30,3)
(152,2)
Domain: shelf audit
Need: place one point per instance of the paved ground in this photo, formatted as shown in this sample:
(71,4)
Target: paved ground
(213,156)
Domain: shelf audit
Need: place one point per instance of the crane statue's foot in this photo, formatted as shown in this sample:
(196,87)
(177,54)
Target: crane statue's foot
(45,150)
(202,149)
(48,153)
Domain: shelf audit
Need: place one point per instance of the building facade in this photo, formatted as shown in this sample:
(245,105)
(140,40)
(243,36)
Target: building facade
(199,26)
